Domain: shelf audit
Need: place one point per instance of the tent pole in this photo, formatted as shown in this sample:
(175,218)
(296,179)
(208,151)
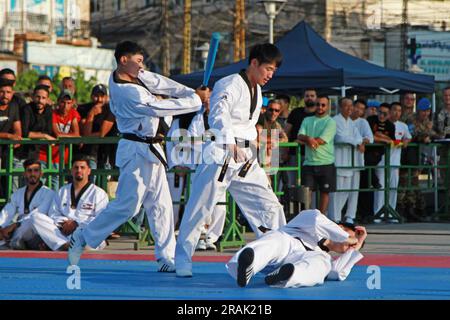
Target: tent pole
(343,91)
(436,197)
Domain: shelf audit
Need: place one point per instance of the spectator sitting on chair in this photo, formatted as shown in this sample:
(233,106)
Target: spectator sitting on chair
(317,133)
(34,198)
(75,205)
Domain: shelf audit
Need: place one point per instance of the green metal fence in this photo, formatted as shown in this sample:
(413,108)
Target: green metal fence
(233,234)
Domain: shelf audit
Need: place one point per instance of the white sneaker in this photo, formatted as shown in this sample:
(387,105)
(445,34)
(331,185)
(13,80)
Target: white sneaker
(376,220)
(201,245)
(76,246)
(393,220)
(166,266)
(349,220)
(184,273)
(210,245)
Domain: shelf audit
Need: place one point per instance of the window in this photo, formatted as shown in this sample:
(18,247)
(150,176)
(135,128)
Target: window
(95,6)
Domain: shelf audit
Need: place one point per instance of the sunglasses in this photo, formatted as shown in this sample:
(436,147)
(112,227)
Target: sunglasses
(273,110)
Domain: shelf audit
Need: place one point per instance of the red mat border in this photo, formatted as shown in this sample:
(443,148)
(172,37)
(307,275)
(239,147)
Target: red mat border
(370,259)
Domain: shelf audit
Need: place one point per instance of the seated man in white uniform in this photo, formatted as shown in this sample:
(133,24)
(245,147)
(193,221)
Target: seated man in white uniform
(296,255)
(25,202)
(75,205)
(186,155)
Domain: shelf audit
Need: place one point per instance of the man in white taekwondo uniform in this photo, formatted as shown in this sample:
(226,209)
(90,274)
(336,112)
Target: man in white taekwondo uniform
(228,162)
(347,137)
(359,110)
(25,202)
(140,158)
(187,155)
(296,255)
(75,206)
(402,138)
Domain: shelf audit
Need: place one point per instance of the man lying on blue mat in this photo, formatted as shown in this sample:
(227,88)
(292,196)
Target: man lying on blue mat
(296,255)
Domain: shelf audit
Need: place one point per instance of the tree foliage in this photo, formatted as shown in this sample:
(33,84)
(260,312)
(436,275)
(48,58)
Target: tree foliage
(26,81)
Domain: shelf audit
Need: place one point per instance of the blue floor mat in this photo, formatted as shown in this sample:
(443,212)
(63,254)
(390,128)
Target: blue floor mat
(29,278)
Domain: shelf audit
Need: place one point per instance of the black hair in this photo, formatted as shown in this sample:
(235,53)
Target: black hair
(323,96)
(284,97)
(44,77)
(396,103)
(41,87)
(446,88)
(385,105)
(125,48)
(68,78)
(362,101)
(310,89)
(266,53)
(80,157)
(30,162)
(7,71)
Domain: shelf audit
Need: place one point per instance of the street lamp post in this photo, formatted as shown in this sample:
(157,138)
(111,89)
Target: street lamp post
(273,8)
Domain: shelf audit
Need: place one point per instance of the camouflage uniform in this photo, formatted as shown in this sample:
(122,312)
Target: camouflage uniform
(411,203)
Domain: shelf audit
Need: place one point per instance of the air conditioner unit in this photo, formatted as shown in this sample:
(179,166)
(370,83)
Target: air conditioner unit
(7,38)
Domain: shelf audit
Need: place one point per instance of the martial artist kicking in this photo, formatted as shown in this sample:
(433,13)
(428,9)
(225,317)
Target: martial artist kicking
(187,155)
(228,161)
(296,255)
(140,157)
(25,202)
(75,206)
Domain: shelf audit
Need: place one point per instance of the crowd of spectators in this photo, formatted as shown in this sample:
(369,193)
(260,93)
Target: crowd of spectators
(336,152)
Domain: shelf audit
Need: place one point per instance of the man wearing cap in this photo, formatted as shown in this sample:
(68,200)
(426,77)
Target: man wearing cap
(412,203)
(97,120)
(372,108)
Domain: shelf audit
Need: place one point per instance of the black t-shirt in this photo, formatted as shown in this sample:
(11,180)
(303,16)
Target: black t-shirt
(295,119)
(387,128)
(105,115)
(34,121)
(8,117)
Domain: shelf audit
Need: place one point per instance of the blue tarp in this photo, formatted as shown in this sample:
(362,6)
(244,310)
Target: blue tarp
(309,61)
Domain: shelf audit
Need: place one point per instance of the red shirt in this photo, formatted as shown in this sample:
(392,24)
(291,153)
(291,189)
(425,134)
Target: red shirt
(64,124)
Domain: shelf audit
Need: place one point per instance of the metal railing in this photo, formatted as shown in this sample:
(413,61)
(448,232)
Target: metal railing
(233,234)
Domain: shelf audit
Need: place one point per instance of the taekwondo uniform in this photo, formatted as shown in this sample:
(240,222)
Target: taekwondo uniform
(346,132)
(141,159)
(39,203)
(401,132)
(232,120)
(366,133)
(90,201)
(189,154)
(300,243)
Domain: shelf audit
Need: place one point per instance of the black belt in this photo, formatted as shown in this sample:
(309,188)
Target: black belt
(320,244)
(150,141)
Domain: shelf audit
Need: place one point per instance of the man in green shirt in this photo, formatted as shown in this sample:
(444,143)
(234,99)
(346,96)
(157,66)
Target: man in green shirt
(317,133)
